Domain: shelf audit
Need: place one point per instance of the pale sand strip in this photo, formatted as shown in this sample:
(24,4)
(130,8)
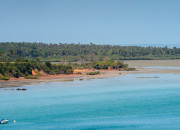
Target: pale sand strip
(162,63)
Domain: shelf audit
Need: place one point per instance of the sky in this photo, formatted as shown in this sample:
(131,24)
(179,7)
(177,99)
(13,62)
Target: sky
(114,22)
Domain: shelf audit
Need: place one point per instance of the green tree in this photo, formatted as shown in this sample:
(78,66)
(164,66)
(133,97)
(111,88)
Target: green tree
(48,64)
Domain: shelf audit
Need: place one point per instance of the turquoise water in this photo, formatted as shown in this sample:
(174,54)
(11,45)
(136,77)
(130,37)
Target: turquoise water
(123,102)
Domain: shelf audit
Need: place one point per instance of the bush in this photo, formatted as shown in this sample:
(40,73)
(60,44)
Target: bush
(38,73)
(31,77)
(17,74)
(129,69)
(68,71)
(48,64)
(93,73)
(78,73)
(4,78)
(106,64)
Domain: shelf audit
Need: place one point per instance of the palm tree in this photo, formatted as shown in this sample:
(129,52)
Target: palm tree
(64,60)
(12,53)
(82,59)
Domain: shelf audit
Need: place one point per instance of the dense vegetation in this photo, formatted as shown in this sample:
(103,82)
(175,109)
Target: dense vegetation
(82,52)
(24,69)
(103,65)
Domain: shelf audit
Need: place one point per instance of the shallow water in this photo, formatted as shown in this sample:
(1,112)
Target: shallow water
(124,102)
(158,67)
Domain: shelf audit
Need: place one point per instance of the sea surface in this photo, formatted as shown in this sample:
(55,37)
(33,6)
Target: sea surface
(124,102)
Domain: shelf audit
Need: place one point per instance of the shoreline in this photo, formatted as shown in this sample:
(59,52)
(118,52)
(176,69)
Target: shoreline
(18,82)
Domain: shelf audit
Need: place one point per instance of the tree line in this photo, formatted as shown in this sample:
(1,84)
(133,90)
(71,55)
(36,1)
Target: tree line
(9,51)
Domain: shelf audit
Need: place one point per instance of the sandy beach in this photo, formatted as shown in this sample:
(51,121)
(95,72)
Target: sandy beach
(162,63)
(138,64)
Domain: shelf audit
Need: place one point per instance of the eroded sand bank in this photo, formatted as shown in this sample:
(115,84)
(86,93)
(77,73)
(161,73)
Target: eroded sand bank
(138,64)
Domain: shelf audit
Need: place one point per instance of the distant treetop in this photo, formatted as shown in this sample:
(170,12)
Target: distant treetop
(9,51)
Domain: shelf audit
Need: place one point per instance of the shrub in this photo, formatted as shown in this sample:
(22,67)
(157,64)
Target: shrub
(38,73)
(129,69)
(17,74)
(93,73)
(31,77)
(48,64)
(78,73)
(68,71)
(4,78)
